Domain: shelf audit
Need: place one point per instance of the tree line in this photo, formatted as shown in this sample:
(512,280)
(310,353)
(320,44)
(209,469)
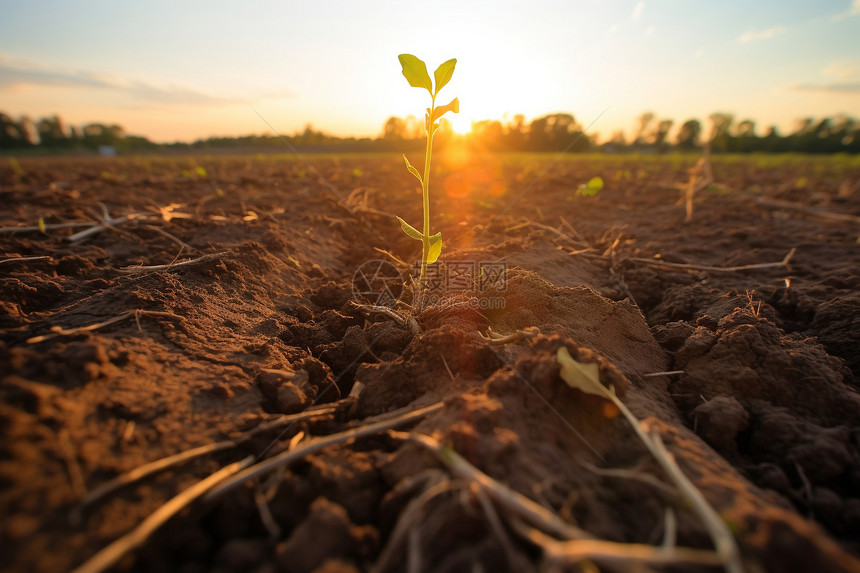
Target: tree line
(51,134)
(552,132)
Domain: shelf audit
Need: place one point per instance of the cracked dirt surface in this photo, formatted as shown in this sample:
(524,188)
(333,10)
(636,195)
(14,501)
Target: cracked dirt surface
(759,407)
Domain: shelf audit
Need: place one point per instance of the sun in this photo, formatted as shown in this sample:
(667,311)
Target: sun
(461,124)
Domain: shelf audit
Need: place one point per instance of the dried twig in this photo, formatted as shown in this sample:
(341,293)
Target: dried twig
(665,373)
(811,211)
(108,223)
(47,227)
(511,500)
(173,238)
(495,338)
(171,266)
(168,212)
(76,476)
(373,211)
(265,513)
(807,488)
(156,466)
(689,267)
(408,322)
(25,259)
(60,331)
(700,177)
(587,252)
(565,223)
(633,475)
(392,256)
(315,445)
(610,252)
(145,470)
(670,528)
(555,231)
(266,492)
(379,309)
(517,560)
(409,517)
(136,537)
(575,551)
(578,544)
(727,548)
(587,381)
(448,368)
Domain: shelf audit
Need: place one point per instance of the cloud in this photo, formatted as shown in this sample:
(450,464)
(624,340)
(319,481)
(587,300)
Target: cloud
(834,88)
(843,70)
(638,9)
(753,35)
(173,94)
(854,10)
(17,73)
(14,73)
(844,78)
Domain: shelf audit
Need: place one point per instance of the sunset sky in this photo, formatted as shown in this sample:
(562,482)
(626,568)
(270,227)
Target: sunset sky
(185,70)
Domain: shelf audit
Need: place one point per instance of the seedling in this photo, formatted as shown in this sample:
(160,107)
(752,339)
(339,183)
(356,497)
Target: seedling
(592,188)
(415,72)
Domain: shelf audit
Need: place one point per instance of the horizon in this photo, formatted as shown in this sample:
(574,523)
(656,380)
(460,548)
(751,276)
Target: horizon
(182,73)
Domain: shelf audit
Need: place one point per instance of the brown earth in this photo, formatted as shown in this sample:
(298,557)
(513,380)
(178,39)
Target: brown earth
(759,407)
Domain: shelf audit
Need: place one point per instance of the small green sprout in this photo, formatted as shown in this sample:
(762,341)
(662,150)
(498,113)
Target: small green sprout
(592,188)
(415,72)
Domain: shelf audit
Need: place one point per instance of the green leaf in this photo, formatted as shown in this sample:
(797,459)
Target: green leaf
(410,230)
(443,73)
(415,72)
(412,170)
(591,188)
(454,106)
(435,248)
(583,377)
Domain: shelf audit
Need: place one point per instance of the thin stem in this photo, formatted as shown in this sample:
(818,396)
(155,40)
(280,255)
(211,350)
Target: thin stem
(425,191)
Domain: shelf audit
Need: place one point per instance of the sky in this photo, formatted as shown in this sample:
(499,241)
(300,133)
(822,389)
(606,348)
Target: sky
(183,70)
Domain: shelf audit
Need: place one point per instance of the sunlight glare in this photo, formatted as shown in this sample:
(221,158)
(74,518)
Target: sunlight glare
(461,124)
(478,77)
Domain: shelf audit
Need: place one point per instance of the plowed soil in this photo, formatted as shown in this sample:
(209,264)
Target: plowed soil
(217,297)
